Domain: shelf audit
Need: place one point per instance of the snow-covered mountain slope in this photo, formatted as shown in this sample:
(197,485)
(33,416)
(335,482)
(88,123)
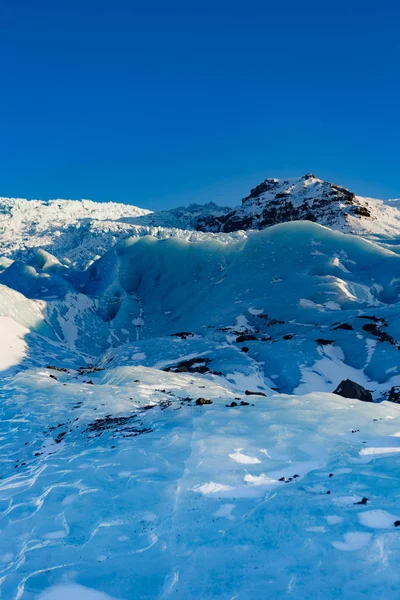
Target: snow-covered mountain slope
(167,421)
(80,231)
(308,198)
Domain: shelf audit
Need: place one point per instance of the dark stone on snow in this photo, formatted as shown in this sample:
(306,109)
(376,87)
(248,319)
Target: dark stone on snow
(249,393)
(182,334)
(245,349)
(194,365)
(243,403)
(351,389)
(397,523)
(125,426)
(246,338)
(232,404)
(361,211)
(323,342)
(374,319)
(345,326)
(394,394)
(382,336)
(202,401)
(288,336)
(363,501)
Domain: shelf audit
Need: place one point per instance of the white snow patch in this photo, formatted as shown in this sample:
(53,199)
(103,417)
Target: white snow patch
(72,590)
(354,540)
(244,459)
(377,519)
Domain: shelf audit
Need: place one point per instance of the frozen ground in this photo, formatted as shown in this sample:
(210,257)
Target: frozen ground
(186,501)
(117,484)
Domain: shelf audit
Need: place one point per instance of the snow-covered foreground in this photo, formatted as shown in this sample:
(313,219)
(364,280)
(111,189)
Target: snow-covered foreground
(134,491)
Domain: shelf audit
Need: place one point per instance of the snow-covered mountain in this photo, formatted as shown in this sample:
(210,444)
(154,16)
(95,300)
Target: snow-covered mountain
(308,198)
(168,424)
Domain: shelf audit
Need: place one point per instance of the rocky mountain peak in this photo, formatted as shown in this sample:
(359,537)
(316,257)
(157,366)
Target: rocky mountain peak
(280,200)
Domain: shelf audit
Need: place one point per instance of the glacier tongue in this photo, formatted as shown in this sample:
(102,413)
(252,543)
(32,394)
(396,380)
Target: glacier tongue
(166,418)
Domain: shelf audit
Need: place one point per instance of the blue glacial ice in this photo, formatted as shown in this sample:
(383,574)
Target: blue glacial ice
(115,484)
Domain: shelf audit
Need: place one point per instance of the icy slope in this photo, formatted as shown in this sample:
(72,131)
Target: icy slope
(307,305)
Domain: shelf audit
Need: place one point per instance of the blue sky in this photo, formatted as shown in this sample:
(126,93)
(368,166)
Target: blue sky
(161,103)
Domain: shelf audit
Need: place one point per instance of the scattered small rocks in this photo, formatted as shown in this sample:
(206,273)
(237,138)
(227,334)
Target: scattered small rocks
(193,365)
(122,425)
(242,403)
(89,369)
(60,437)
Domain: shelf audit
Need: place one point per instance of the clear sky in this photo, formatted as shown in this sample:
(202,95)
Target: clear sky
(162,103)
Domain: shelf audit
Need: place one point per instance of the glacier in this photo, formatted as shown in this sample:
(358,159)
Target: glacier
(168,426)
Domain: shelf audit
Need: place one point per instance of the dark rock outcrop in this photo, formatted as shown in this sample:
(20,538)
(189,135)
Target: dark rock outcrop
(322,342)
(394,394)
(277,201)
(345,327)
(351,389)
(202,401)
